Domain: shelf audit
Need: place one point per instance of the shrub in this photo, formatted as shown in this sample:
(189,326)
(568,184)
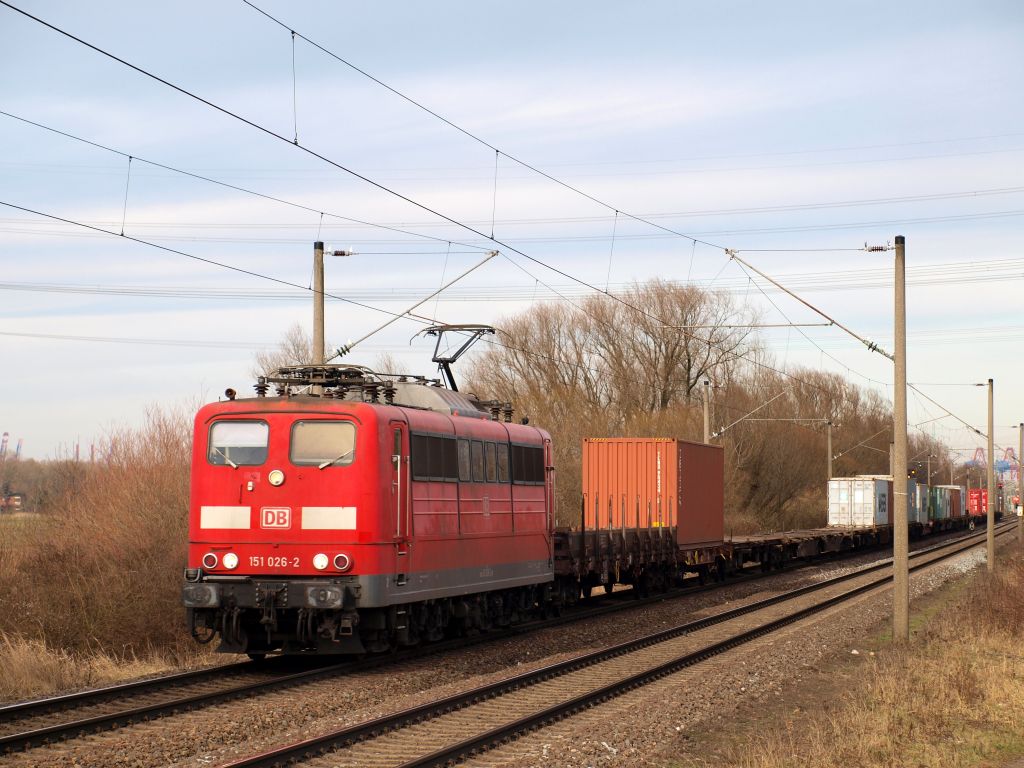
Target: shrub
(103,572)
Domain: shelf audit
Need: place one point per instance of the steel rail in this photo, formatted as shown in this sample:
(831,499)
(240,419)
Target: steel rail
(40,707)
(318,746)
(97,695)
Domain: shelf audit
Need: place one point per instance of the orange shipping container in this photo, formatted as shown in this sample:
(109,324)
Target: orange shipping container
(655,482)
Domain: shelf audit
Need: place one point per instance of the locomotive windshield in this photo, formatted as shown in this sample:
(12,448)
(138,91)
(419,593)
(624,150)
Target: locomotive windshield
(323,443)
(238,442)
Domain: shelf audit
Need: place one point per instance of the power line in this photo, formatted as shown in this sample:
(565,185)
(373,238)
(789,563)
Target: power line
(804,334)
(134,340)
(228,185)
(872,346)
(212,262)
(862,443)
(476,138)
(267,131)
(424,320)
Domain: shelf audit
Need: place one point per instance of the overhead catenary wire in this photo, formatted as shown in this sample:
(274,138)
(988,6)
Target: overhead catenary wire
(533,167)
(798,327)
(251,273)
(269,132)
(763,405)
(872,346)
(212,262)
(342,351)
(949,412)
(127,181)
(313,153)
(477,138)
(236,187)
(863,443)
(383,187)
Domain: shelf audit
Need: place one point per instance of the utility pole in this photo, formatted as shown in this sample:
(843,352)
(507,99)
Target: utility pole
(707,411)
(318,303)
(990,548)
(828,446)
(929,469)
(900,559)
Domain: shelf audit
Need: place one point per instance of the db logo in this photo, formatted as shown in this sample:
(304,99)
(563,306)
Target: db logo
(275,517)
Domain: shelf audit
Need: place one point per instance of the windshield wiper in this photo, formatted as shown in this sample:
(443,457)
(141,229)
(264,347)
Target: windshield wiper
(339,458)
(229,461)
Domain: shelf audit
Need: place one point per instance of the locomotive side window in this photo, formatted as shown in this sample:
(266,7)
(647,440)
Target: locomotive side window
(434,458)
(420,457)
(323,443)
(238,442)
(503,473)
(449,450)
(477,456)
(465,474)
(527,464)
(491,462)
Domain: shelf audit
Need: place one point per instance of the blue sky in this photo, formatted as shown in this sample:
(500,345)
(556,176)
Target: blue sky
(703,115)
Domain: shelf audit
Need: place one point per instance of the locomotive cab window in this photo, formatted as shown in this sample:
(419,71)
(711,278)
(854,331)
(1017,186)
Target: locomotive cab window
(323,443)
(238,442)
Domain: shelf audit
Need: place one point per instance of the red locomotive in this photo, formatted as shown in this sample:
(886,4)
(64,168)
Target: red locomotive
(352,514)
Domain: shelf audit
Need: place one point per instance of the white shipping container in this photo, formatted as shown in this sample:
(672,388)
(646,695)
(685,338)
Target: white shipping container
(839,502)
(922,503)
(858,502)
(913,502)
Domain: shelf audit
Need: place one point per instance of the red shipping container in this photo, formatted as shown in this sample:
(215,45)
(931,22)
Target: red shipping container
(655,482)
(977,501)
(956,507)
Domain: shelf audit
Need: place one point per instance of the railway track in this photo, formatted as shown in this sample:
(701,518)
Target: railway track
(450,729)
(44,721)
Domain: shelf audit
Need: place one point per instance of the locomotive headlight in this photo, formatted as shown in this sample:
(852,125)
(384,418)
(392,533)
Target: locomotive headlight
(320,561)
(230,560)
(275,477)
(342,562)
(209,560)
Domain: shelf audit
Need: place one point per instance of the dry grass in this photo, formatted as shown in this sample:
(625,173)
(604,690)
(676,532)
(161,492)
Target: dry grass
(101,576)
(30,669)
(954,697)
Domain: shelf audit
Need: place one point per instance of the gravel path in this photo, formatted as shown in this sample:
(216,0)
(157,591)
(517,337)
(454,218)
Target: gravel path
(224,732)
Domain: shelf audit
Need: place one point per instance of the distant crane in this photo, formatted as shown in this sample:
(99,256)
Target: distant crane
(1009,462)
(17,450)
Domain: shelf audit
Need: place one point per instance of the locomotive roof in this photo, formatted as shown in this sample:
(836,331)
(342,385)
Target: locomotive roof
(326,383)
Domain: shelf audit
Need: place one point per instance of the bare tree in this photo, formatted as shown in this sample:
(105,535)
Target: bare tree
(295,348)
(388,363)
